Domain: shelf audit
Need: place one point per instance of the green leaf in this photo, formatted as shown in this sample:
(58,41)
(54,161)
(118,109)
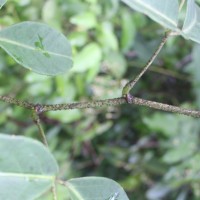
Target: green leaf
(52,18)
(164,12)
(87,58)
(191,26)
(128,30)
(158,191)
(95,188)
(185,138)
(116,64)
(37,47)
(194,70)
(78,38)
(107,36)
(27,168)
(2,2)
(85,20)
(168,124)
(61,191)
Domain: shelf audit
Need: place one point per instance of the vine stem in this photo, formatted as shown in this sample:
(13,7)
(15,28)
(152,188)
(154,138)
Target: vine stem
(53,189)
(36,119)
(131,83)
(101,103)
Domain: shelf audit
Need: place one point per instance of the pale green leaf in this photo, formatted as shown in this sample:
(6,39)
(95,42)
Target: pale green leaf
(2,2)
(85,20)
(95,188)
(158,192)
(27,168)
(78,38)
(87,58)
(37,47)
(175,155)
(52,18)
(164,12)
(191,15)
(62,194)
(194,69)
(185,138)
(116,64)
(168,124)
(191,26)
(107,36)
(128,31)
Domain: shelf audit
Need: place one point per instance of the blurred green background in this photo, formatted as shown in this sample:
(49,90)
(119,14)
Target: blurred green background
(153,155)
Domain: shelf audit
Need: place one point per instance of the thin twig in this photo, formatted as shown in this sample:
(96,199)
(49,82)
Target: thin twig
(36,119)
(131,83)
(53,189)
(101,103)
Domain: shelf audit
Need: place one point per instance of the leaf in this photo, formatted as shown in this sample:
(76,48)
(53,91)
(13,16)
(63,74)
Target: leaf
(27,168)
(87,58)
(85,20)
(107,36)
(2,2)
(61,191)
(194,69)
(95,188)
(164,12)
(52,18)
(158,192)
(185,138)
(116,64)
(191,26)
(78,38)
(37,47)
(128,31)
(168,124)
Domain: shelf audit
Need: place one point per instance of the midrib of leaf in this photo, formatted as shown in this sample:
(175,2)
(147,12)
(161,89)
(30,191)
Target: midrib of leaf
(30,176)
(70,186)
(2,3)
(31,48)
(155,11)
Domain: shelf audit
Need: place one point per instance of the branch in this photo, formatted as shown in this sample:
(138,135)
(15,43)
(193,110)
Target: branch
(39,108)
(131,83)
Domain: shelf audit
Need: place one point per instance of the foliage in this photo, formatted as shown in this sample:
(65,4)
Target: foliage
(27,168)
(151,155)
(46,47)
